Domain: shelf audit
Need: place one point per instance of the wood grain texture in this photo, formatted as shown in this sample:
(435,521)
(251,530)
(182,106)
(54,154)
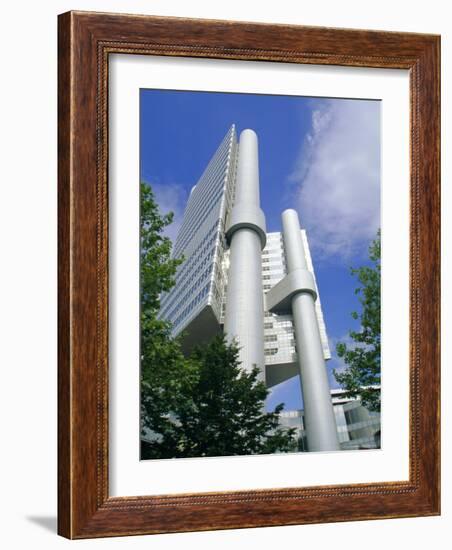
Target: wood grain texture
(85,42)
(64,294)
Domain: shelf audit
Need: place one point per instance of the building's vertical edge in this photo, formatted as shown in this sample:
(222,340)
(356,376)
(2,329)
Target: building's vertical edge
(198,292)
(246,233)
(219,273)
(64,243)
(320,423)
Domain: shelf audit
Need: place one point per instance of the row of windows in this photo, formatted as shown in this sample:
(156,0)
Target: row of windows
(189,280)
(178,297)
(198,262)
(207,240)
(174,297)
(283,355)
(275,270)
(274,241)
(210,188)
(197,275)
(274,260)
(191,225)
(180,247)
(202,294)
(184,270)
(284,324)
(215,166)
(270,251)
(285,343)
(268,256)
(274,273)
(218,279)
(201,197)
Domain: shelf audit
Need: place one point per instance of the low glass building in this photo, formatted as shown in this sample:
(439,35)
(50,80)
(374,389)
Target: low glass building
(357,427)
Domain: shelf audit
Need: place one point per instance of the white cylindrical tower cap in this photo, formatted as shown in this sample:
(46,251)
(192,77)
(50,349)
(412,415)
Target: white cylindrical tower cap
(247,188)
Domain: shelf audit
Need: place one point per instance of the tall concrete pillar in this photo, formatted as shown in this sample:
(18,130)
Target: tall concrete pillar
(320,423)
(246,234)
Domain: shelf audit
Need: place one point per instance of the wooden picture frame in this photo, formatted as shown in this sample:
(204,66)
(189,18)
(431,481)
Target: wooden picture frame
(85,42)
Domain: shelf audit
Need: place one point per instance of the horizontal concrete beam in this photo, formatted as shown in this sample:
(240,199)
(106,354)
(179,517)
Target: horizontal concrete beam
(249,216)
(280,372)
(278,299)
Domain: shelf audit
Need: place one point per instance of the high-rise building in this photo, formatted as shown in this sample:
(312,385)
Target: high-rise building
(258,288)
(194,304)
(279,336)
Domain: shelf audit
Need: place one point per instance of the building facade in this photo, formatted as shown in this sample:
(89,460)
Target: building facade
(197,303)
(357,427)
(194,305)
(258,288)
(281,360)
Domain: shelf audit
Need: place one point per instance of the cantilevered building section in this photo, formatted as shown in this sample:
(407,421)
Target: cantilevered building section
(258,288)
(194,303)
(281,359)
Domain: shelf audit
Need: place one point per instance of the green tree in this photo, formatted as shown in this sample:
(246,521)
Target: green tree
(223,410)
(362,357)
(204,404)
(163,367)
(157,268)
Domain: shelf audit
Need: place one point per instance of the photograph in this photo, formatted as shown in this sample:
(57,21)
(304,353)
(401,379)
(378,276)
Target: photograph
(260,274)
(223,314)
(246,211)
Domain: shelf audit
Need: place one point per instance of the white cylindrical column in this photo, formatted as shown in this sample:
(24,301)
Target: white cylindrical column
(320,423)
(247,185)
(244,316)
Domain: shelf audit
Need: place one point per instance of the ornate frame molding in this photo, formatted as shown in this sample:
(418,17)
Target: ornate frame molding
(85,42)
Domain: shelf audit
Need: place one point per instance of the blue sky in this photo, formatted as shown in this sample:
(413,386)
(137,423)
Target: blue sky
(320,156)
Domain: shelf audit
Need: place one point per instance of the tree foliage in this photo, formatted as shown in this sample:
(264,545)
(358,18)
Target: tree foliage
(221,410)
(163,367)
(157,268)
(362,374)
(203,404)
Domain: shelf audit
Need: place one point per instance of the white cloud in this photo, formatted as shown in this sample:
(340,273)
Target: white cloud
(171,197)
(337,177)
(337,363)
